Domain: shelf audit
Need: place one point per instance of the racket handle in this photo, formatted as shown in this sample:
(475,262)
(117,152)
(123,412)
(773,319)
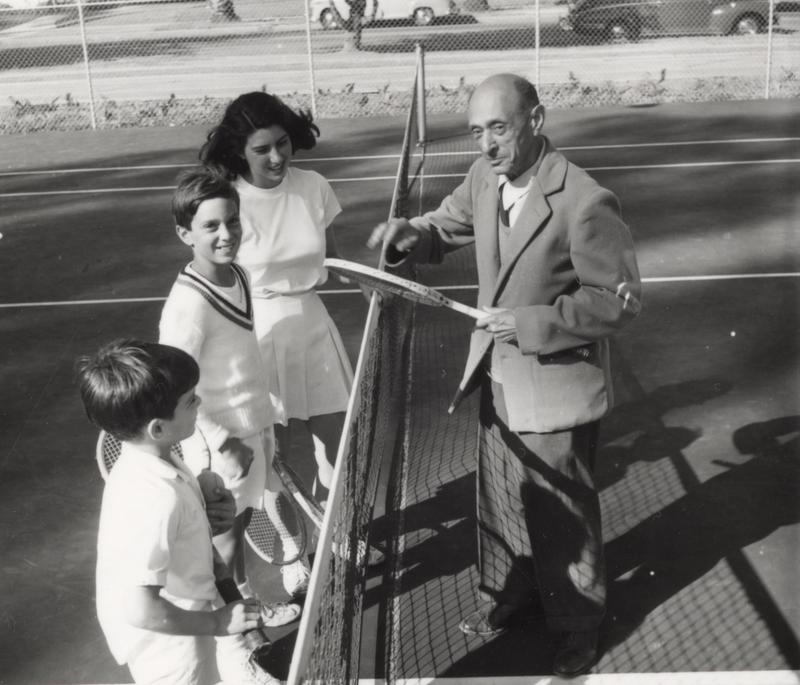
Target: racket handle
(256,639)
(228,591)
(465,309)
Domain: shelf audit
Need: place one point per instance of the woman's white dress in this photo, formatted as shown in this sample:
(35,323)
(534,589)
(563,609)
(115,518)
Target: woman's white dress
(283,248)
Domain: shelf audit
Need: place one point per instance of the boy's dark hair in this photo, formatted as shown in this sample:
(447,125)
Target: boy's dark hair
(224,147)
(196,186)
(127,383)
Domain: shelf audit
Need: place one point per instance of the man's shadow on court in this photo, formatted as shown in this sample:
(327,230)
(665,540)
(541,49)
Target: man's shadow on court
(673,548)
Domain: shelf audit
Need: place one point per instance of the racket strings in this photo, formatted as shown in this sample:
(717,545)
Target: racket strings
(277,533)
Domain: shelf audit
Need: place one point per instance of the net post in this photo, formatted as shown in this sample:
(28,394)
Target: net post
(422,127)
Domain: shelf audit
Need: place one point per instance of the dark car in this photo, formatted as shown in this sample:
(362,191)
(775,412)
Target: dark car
(621,20)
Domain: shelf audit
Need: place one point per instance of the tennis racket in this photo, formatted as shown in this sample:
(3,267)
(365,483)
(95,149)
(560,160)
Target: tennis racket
(297,489)
(258,644)
(309,504)
(261,533)
(389,283)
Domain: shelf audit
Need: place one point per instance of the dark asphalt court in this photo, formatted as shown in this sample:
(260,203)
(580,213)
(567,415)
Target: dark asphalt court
(698,468)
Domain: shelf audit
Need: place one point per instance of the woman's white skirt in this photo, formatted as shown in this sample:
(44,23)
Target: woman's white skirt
(304,355)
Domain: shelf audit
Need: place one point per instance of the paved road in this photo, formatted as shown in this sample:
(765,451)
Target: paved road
(147,52)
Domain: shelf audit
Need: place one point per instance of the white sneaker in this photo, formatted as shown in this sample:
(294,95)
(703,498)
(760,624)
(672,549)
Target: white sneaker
(295,577)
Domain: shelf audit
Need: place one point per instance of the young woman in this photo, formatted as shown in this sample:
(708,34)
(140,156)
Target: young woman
(287,215)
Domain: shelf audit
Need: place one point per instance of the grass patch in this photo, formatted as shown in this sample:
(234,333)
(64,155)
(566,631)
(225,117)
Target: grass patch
(65,113)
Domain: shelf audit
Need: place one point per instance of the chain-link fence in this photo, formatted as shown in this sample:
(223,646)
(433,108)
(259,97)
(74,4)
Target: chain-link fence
(108,63)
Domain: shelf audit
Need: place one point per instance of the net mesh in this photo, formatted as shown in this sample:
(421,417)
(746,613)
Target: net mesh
(333,613)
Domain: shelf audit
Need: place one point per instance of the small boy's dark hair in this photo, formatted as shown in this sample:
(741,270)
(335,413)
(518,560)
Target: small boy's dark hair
(196,186)
(128,383)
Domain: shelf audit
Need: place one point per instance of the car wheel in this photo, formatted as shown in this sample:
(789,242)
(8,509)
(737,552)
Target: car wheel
(328,19)
(423,16)
(748,24)
(621,31)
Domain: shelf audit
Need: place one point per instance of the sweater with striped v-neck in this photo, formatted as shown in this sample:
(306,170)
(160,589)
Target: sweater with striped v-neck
(200,319)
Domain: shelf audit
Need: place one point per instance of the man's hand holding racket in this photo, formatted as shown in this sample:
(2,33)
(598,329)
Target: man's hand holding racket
(400,233)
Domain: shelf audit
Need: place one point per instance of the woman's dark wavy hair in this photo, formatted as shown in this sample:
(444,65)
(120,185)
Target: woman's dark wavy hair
(248,113)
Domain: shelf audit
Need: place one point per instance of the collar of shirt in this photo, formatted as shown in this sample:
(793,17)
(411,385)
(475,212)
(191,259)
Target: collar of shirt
(512,191)
(162,468)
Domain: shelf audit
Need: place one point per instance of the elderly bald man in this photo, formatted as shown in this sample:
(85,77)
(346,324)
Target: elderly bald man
(557,277)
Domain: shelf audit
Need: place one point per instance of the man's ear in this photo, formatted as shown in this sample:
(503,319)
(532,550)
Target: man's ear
(537,118)
(185,235)
(154,429)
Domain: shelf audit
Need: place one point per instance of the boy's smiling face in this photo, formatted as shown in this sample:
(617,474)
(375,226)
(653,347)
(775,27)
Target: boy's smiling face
(214,234)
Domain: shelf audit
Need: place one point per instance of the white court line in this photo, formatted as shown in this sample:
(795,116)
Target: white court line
(316,160)
(351,291)
(784,677)
(151,167)
(141,189)
(361,179)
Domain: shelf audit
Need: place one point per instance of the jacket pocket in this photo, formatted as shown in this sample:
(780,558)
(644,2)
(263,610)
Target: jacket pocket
(557,391)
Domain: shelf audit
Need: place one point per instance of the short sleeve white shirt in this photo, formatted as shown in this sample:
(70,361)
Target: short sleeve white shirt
(283,232)
(153,531)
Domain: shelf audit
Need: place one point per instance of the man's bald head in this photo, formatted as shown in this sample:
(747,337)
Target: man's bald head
(505,117)
(518,91)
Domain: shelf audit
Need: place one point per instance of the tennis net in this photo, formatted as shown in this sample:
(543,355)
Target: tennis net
(328,642)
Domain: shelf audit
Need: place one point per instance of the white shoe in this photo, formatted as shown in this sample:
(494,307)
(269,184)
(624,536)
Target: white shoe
(295,577)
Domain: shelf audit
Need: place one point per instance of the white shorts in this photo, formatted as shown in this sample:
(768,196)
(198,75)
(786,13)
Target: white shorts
(190,660)
(175,660)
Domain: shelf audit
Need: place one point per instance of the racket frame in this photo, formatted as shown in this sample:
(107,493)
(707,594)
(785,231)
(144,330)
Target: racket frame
(397,285)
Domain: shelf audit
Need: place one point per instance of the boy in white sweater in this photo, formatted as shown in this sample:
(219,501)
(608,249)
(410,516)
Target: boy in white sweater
(209,315)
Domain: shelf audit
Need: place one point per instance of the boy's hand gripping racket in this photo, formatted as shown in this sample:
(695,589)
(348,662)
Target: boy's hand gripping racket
(258,644)
(389,283)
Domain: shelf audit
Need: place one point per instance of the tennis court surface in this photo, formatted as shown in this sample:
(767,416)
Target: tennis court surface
(698,468)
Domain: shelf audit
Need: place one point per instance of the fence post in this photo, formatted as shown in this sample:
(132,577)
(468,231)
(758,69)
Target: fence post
(422,124)
(312,82)
(537,77)
(86,64)
(767,84)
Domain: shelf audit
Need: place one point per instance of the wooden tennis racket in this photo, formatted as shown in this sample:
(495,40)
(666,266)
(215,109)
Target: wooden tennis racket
(261,533)
(108,451)
(389,283)
(311,507)
(297,489)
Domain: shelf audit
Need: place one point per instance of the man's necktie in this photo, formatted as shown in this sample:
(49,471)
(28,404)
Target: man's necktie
(505,219)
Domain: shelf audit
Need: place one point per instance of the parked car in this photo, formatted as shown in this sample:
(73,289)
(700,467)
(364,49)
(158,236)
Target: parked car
(332,14)
(622,20)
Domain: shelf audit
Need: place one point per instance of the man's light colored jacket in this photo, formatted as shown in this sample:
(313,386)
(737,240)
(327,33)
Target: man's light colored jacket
(571,280)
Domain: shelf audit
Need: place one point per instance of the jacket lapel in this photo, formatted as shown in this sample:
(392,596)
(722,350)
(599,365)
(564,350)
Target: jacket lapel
(534,212)
(485,223)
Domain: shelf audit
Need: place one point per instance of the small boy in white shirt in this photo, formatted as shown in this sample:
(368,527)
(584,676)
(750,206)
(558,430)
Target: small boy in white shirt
(157,597)
(209,314)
